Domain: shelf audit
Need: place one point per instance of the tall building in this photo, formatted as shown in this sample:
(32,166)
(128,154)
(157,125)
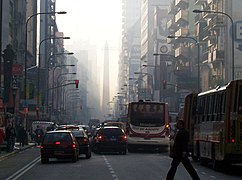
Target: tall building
(184,48)
(106,88)
(93,83)
(222,47)
(129,61)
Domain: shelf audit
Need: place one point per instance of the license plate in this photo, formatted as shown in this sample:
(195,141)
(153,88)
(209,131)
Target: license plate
(113,139)
(58,152)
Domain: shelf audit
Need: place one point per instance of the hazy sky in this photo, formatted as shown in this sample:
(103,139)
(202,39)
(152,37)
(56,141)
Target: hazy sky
(96,20)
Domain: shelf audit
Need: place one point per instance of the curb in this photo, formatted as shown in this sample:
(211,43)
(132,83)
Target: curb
(5,156)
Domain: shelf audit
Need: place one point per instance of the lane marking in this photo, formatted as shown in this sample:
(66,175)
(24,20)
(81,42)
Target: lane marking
(23,170)
(112,172)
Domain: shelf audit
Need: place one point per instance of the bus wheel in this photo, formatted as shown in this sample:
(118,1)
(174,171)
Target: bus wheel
(194,158)
(130,149)
(217,165)
(203,161)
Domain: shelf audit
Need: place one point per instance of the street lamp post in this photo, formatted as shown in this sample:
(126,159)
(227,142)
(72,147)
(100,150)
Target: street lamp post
(57,101)
(137,81)
(72,91)
(47,83)
(14,93)
(53,79)
(39,66)
(232,28)
(148,74)
(26,44)
(198,56)
(57,54)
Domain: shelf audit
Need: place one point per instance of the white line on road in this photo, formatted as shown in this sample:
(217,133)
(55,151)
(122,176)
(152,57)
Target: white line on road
(112,172)
(20,172)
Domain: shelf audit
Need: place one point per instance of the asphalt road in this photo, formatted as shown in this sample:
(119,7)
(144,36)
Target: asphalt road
(140,166)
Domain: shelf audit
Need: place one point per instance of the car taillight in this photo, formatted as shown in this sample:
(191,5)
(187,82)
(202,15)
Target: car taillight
(57,142)
(41,147)
(85,141)
(124,138)
(74,146)
(232,133)
(100,138)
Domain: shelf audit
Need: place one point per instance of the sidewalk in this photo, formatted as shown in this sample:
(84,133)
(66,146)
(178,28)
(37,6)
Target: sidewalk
(17,149)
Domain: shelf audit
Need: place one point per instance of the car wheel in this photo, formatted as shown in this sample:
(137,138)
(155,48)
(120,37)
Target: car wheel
(124,151)
(44,160)
(74,158)
(88,155)
(131,149)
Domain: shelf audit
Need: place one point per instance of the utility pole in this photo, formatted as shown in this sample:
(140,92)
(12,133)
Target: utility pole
(1,22)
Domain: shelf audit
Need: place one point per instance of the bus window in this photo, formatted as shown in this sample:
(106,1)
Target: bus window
(240,101)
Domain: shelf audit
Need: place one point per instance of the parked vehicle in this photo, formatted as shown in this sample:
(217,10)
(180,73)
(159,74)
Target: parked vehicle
(110,139)
(83,141)
(59,144)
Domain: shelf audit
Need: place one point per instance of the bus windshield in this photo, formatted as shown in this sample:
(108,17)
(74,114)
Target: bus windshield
(149,115)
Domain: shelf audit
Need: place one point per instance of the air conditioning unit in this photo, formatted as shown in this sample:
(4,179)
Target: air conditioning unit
(164,48)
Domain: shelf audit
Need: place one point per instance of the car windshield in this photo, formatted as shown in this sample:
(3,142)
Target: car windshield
(111,132)
(79,133)
(53,137)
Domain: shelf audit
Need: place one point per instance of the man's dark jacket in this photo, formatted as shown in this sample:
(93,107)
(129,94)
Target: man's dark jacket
(180,145)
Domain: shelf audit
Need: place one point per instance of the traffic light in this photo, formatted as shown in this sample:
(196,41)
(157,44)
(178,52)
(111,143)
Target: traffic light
(76,82)
(164,84)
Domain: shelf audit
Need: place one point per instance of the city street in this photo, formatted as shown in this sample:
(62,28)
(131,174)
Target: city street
(140,165)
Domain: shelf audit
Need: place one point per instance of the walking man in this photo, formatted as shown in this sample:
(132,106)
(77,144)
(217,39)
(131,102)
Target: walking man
(180,153)
(2,137)
(10,137)
(22,135)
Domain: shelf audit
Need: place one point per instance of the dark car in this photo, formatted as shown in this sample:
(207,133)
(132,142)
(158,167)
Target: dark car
(59,144)
(83,141)
(110,139)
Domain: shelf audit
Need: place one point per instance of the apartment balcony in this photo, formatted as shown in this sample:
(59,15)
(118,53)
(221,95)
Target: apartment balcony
(211,1)
(172,9)
(218,55)
(183,4)
(181,52)
(211,7)
(171,40)
(209,36)
(215,56)
(171,24)
(182,17)
(181,70)
(199,30)
(183,31)
(218,22)
(212,40)
(204,56)
(199,18)
(200,2)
